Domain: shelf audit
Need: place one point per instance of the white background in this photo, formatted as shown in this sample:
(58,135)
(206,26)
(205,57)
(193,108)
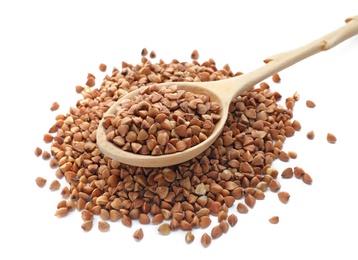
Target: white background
(48,47)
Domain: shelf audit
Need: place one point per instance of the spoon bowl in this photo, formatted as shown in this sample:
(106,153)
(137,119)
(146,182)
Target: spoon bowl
(223,92)
(114,152)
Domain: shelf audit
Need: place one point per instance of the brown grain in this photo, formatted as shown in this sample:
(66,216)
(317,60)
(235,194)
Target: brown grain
(274,185)
(102,67)
(90,81)
(195,55)
(205,221)
(216,232)
(306,178)
(86,215)
(144,219)
(232,220)
(46,155)
(298,172)
(310,104)
(287,173)
(242,208)
(103,226)
(152,54)
(296,125)
(164,229)
(222,216)
(296,96)
(40,181)
(55,185)
(79,89)
(61,212)
(189,237)
(276,78)
(292,154)
(250,200)
(331,138)
(274,219)
(157,218)
(38,151)
(144,52)
(283,196)
(87,225)
(138,234)
(224,225)
(310,135)
(54,106)
(47,138)
(205,240)
(126,221)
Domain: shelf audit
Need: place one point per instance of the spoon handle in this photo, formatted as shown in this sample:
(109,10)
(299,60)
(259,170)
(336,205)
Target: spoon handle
(279,62)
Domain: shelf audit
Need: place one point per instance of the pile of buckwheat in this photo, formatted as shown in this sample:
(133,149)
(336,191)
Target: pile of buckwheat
(235,170)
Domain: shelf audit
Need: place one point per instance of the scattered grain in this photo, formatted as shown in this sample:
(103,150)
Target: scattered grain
(144,52)
(216,232)
(87,225)
(283,156)
(102,67)
(205,240)
(65,192)
(283,196)
(274,185)
(310,135)
(47,138)
(310,104)
(195,55)
(61,212)
(79,89)
(276,78)
(138,234)
(306,178)
(103,225)
(274,220)
(189,237)
(298,172)
(40,181)
(38,151)
(46,155)
(152,54)
(296,125)
(331,138)
(287,173)
(90,82)
(55,185)
(296,96)
(54,106)
(232,219)
(242,208)
(292,154)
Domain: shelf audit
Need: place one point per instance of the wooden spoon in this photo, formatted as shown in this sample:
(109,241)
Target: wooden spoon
(222,91)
